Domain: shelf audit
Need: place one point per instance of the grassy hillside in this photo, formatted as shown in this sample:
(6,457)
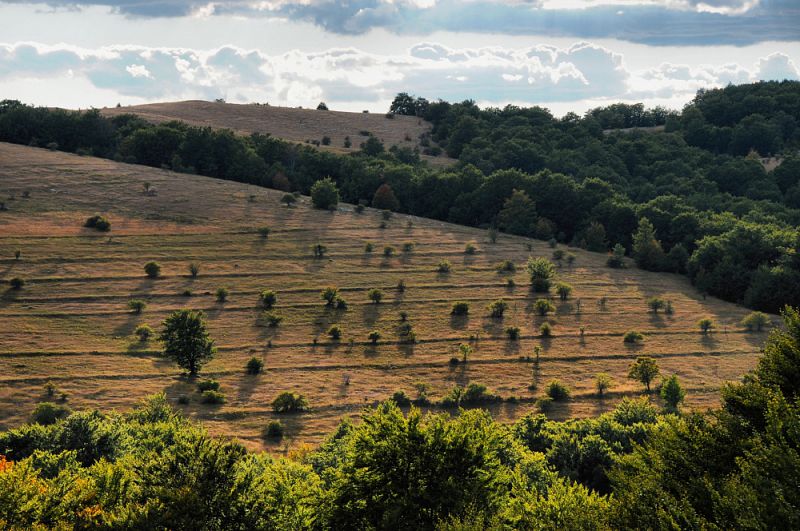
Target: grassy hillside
(70,323)
(295,125)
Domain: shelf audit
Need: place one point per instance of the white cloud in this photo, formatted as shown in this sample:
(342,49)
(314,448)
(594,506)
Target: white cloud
(351,79)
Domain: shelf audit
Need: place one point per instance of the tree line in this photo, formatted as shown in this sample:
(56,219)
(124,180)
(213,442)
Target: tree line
(706,209)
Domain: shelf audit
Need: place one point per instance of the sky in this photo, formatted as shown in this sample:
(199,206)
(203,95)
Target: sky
(566,55)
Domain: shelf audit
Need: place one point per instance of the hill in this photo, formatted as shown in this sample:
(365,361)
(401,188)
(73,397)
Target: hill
(294,125)
(70,323)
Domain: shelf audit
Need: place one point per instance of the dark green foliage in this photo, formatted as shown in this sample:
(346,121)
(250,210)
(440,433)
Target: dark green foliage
(335,332)
(374,337)
(98,222)
(401,398)
(186,340)
(543,306)
(632,337)
(288,402)
(274,430)
(47,413)
(557,390)
(672,393)
(268,298)
(288,200)
(512,332)
(254,365)
(617,258)
(385,199)
(375,295)
(207,385)
(444,267)
(506,266)
(152,269)
(17,283)
(136,305)
(144,333)
(194,269)
(222,294)
(546,330)
(542,272)
(460,308)
(643,369)
(497,308)
(212,397)
(325,194)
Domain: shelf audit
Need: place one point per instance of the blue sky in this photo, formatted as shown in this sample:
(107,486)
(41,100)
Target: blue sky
(565,55)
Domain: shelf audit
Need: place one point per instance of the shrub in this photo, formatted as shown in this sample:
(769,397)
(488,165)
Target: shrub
(401,398)
(401,286)
(543,307)
(374,337)
(705,324)
(144,332)
(136,305)
(212,397)
(335,332)
(617,257)
(544,403)
(368,247)
(632,336)
(375,295)
(403,316)
(476,393)
(274,430)
(552,242)
(288,402)
(330,294)
(288,200)
(408,247)
(207,385)
(546,330)
(264,232)
(17,283)
(492,234)
(326,141)
(444,266)
(194,269)
(152,269)
(756,321)
(564,290)
(254,365)
(340,303)
(47,413)
(17,254)
(465,350)
(406,333)
(272,319)
(183,400)
(570,259)
(542,272)
(324,194)
(388,251)
(470,249)
(460,308)
(497,308)
(558,255)
(268,298)
(347,142)
(512,332)
(186,340)
(382,225)
(319,250)
(557,391)
(222,294)
(672,393)
(602,382)
(506,266)
(98,222)
(386,215)
(186,293)
(668,308)
(655,304)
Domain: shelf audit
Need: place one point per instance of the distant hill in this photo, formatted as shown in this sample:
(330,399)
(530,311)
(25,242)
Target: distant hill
(295,125)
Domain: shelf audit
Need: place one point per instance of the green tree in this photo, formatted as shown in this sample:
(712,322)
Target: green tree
(644,370)
(518,215)
(647,250)
(186,340)
(325,194)
(672,393)
(542,271)
(384,198)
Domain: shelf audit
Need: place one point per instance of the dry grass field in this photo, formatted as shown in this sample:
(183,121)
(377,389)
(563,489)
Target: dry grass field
(70,323)
(294,125)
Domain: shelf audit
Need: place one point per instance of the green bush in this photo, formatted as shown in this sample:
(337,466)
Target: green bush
(497,308)
(705,324)
(207,385)
(288,200)
(288,402)
(408,247)
(543,306)
(444,266)
(672,393)
(513,333)
(401,398)
(374,336)
(632,337)
(222,294)
(264,232)
(329,295)
(254,365)
(136,305)
(564,290)
(655,304)
(99,223)
(602,382)
(152,269)
(271,319)
(368,247)
(557,391)
(388,251)
(335,332)
(324,194)
(375,295)
(318,250)
(470,249)
(212,397)
(17,282)
(546,330)
(542,271)
(194,269)
(274,430)
(460,308)
(144,332)
(401,286)
(268,298)
(47,413)
(756,321)
(506,266)
(617,258)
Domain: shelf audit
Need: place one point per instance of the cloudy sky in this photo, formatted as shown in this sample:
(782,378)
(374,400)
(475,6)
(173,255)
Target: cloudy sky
(357,54)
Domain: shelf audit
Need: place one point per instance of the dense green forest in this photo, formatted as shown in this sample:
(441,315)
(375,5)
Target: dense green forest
(692,199)
(737,467)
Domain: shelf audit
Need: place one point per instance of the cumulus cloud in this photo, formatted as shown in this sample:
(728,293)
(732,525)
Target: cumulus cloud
(349,78)
(655,22)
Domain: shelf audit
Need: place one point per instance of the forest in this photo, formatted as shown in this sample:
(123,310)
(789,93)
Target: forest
(693,199)
(736,467)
